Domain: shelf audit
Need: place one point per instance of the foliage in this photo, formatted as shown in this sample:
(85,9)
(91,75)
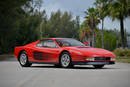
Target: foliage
(110,39)
(10,13)
(23,21)
(102,6)
(28,29)
(122,52)
(88,30)
(120,9)
(18,23)
(92,19)
(61,25)
(84,32)
(124,59)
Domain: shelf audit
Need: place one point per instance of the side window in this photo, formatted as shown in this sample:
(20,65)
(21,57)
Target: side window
(47,43)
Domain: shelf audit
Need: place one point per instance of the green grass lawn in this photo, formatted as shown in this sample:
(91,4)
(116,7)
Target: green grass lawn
(123,59)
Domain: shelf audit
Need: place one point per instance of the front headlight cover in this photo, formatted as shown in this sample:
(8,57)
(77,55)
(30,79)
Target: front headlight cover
(113,59)
(90,59)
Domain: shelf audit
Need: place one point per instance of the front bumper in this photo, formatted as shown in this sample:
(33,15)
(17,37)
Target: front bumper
(92,63)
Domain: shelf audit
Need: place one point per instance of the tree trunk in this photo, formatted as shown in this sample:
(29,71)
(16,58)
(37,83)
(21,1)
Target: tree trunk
(123,43)
(40,30)
(93,31)
(102,33)
(93,38)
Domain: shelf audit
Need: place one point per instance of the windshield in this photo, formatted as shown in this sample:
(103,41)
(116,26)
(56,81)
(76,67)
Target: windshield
(69,42)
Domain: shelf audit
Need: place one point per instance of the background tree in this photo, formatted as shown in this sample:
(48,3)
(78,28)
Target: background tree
(85,32)
(61,25)
(17,22)
(24,21)
(92,21)
(10,14)
(77,27)
(102,6)
(110,39)
(119,9)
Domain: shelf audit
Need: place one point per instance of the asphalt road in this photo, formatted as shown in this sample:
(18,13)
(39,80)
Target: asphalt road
(13,75)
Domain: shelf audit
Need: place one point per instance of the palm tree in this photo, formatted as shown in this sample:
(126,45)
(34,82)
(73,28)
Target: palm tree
(120,9)
(101,6)
(85,32)
(92,21)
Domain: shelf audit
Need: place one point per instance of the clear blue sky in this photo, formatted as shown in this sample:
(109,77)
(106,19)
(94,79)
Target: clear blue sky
(77,8)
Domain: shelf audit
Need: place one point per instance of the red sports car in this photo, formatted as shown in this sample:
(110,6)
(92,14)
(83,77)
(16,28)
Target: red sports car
(64,52)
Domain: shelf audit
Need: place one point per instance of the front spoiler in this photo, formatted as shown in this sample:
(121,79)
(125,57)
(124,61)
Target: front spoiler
(93,63)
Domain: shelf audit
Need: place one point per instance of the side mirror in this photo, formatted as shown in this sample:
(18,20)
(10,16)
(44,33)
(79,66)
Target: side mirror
(86,43)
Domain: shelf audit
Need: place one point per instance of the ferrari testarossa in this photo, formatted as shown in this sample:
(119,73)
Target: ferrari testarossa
(64,52)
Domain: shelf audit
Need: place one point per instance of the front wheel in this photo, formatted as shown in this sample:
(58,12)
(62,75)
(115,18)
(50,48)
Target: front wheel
(98,66)
(23,60)
(65,60)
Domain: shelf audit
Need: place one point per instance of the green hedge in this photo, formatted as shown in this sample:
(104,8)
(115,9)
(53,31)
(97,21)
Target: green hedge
(122,52)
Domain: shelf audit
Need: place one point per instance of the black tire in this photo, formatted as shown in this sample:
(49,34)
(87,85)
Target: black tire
(98,66)
(23,60)
(68,60)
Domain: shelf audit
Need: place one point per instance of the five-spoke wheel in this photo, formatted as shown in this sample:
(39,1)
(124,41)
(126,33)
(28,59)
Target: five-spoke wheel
(23,60)
(65,60)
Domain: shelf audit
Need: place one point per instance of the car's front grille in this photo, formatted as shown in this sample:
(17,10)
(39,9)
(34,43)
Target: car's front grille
(102,58)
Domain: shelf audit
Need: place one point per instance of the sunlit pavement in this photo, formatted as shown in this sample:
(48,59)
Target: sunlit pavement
(13,75)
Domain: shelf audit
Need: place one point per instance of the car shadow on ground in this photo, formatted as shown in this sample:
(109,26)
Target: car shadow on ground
(75,67)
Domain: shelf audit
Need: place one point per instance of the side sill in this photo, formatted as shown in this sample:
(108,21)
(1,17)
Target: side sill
(43,62)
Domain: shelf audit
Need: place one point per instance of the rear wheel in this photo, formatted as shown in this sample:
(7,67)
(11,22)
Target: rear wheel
(65,60)
(98,66)
(23,60)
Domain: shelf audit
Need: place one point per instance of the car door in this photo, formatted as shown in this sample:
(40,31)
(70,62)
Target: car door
(46,51)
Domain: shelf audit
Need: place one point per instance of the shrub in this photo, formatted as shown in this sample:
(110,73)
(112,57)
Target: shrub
(122,52)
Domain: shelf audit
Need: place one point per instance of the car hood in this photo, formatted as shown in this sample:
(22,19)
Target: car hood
(95,52)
